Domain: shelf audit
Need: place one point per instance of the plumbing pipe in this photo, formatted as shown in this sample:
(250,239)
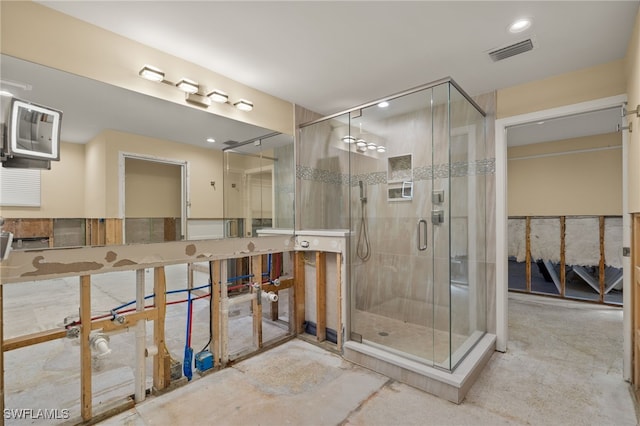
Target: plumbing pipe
(100,344)
(151,351)
(188,350)
(141,341)
(269,296)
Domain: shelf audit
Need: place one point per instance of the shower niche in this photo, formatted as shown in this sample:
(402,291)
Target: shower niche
(400,178)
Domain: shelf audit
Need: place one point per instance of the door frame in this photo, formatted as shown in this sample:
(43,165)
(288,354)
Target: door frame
(185,203)
(502,214)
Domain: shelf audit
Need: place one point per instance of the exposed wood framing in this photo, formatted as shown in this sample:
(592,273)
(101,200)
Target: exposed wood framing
(169,228)
(528,258)
(33,339)
(85,349)
(299,292)
(215,280)
(113,232)
(321,296)
(339,300)
(563,272)
(160,300)
(256,303)
(602,260)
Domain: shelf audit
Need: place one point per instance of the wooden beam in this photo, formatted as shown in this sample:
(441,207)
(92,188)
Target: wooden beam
(563,272)
(321,296)
(85,349)
(160,300)
(256,270)
(339,300)
(284,284)
(602,260)
(528,258)
(215,279)
(299,314)
(33,339)
(130,319)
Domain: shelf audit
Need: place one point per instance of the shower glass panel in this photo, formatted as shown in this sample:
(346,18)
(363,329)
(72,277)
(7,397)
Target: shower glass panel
(322,175)
(467,154)
(407,178)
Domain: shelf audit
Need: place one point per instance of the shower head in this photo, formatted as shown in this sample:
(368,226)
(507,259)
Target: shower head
(363,195)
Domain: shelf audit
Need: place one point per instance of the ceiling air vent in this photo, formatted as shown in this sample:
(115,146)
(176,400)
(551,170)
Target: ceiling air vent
(230,143)
(511,50)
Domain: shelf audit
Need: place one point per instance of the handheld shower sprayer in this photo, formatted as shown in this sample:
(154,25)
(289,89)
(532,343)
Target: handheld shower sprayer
(363,247)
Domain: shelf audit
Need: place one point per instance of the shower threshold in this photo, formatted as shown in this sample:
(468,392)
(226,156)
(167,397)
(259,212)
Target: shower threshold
(452,386)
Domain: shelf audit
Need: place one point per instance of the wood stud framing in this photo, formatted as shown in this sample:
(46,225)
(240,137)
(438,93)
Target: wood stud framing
(219,299)
(85,349)
(562,277)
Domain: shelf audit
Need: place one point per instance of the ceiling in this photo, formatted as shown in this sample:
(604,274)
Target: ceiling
(331,56)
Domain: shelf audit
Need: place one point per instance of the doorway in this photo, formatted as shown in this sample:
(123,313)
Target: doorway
(502,212)
(153,194)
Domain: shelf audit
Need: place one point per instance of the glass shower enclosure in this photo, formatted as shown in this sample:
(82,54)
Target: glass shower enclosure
(406,175)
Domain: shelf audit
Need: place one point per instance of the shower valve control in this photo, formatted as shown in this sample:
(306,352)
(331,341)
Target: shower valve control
(437,197)
(437,217)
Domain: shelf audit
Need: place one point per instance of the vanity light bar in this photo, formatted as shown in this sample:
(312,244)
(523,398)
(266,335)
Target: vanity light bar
(192,90)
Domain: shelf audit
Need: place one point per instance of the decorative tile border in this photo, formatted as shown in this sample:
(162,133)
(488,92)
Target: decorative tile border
(439,171)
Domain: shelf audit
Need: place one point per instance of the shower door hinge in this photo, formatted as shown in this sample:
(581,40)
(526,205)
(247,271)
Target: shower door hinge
(437,197)
(437,217)
(356,337)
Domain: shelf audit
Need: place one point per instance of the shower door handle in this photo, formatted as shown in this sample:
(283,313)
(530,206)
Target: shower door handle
(422,235)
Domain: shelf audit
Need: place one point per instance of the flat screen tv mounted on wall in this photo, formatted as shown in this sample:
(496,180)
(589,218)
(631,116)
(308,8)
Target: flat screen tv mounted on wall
(33,133)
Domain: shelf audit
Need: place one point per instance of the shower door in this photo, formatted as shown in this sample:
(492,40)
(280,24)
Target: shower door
(400,264)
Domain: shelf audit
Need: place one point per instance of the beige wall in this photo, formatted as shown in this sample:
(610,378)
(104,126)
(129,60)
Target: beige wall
(95,177)
(152,189)
(597,82)
(632,72)
(62,42)
(556,179)
(62,188)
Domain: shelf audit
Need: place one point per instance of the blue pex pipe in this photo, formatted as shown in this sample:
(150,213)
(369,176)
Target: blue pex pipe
(188,351)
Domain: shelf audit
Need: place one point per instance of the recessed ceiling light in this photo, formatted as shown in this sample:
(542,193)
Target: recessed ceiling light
(211,140)
(5,93)
(381,149)
(520,25)
(383,104)
(371,145)
(348,139)
(361,142)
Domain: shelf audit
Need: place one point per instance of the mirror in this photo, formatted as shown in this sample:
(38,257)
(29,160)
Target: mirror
(137,169)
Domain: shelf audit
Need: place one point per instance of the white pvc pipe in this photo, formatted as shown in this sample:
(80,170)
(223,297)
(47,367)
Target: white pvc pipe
(141,341)
(269,296)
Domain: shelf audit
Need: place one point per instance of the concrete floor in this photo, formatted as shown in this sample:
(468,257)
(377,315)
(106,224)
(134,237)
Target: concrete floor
(563,367)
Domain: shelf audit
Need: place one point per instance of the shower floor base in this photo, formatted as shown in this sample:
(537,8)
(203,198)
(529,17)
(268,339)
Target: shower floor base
(452,386)
(422,341)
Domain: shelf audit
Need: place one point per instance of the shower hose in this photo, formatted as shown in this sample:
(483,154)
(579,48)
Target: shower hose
(363,249)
